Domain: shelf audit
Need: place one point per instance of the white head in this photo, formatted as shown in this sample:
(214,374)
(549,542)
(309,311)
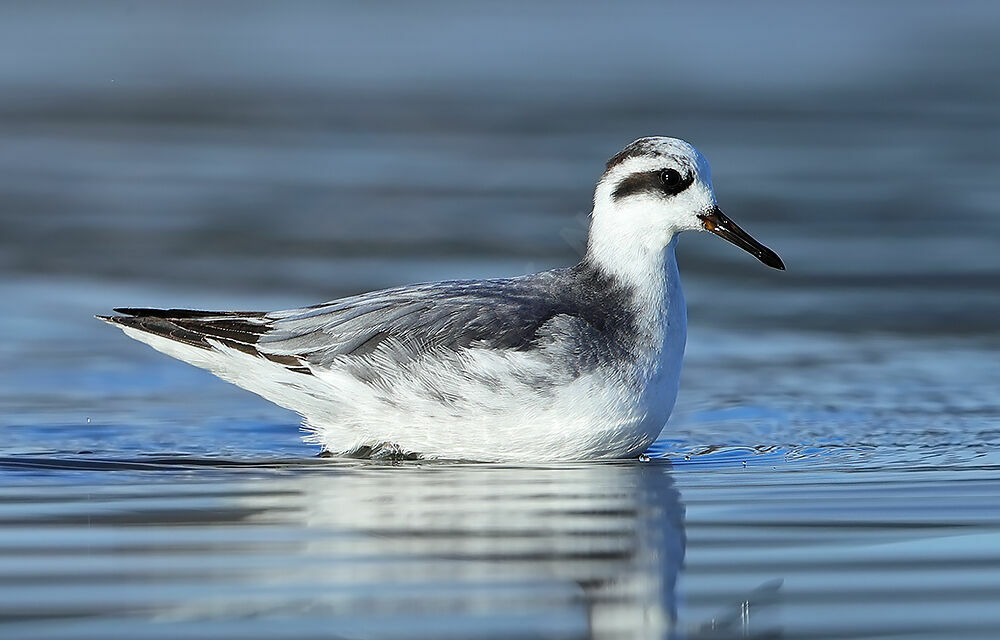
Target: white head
(650,191)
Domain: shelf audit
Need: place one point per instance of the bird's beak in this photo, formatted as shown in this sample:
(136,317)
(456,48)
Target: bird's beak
(719,224)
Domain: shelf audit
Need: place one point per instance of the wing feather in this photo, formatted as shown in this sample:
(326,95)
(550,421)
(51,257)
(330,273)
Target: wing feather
(402,324)
(499,314)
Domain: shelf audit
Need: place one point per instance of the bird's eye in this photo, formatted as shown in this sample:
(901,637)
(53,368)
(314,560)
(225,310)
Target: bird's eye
(670,178)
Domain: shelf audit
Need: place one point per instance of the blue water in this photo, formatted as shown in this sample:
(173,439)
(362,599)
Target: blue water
(831,469)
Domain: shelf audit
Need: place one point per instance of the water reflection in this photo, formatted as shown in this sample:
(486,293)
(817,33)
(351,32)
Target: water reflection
(176,547)
(404,551)
(591,548)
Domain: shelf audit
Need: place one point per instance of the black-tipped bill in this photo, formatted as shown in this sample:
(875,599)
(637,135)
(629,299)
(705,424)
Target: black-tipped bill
(719,224)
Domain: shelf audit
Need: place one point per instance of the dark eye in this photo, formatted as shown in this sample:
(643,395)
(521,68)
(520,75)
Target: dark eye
(670,178)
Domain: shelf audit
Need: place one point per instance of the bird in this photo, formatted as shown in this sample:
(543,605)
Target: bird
(571,364)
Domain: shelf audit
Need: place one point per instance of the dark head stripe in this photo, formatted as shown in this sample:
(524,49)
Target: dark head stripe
(649,182)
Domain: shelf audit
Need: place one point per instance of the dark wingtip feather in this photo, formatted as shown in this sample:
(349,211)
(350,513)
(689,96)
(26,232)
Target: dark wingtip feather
(199,328)
(185,314)
(127,321)
(149,312)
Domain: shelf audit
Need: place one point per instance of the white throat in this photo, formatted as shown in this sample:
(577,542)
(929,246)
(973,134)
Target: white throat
(637,255)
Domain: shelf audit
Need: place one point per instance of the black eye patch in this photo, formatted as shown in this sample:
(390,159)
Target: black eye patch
(667,181)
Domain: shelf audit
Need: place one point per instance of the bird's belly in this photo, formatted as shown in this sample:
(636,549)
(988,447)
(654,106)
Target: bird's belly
(512,408)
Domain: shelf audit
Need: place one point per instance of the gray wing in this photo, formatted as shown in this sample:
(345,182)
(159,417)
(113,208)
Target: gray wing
(518,313)
(525,313)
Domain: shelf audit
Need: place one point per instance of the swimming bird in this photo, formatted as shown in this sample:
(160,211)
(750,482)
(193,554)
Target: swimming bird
(574,363)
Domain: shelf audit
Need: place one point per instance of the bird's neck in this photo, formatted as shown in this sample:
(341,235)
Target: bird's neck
(648,270)
(632,243)
(648,302)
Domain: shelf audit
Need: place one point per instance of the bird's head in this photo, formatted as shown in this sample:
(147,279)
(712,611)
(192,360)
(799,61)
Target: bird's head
(654,189)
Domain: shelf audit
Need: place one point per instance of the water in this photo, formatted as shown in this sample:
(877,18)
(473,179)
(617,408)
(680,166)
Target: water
(831,469)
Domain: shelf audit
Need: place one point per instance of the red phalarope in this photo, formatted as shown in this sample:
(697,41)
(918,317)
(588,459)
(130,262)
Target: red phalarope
(574,363)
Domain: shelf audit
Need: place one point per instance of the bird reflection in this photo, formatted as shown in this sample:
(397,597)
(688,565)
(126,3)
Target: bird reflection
(584,551)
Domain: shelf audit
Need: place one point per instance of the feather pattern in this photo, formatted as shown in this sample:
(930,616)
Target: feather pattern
(519,314)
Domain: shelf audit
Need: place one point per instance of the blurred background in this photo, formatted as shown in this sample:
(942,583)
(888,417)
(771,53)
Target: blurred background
(251,155)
